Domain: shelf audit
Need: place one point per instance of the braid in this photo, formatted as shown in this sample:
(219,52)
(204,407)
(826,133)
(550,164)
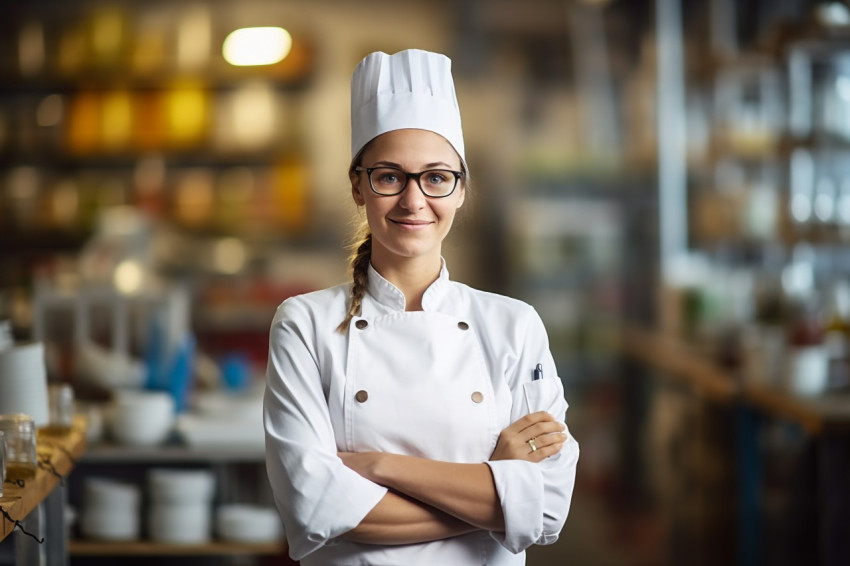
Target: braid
(359,264)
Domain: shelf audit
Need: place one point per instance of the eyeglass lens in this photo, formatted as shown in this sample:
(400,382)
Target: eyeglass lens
(433,182)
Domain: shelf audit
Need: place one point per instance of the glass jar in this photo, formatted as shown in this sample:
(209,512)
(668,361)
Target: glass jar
(60,398)
(21,459)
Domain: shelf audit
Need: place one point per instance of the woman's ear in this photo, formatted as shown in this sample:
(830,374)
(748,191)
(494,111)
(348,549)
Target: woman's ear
(356,194)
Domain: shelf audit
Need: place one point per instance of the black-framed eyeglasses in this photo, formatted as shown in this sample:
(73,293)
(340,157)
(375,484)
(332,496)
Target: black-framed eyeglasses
(434,183)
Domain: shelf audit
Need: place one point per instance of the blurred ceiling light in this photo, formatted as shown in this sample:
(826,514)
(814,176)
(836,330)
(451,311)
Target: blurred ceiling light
(256,46)
(128,277)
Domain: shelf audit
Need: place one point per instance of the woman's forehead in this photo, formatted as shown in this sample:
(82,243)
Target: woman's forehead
(412,146)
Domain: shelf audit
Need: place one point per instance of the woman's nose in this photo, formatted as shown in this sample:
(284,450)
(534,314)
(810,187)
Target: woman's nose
(412,198)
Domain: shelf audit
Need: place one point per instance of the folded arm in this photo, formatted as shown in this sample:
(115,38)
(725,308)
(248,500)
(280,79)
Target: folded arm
(465,493)
(398,519)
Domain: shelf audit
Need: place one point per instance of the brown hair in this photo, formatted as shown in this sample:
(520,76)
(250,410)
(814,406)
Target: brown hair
(358,262)
(361,250)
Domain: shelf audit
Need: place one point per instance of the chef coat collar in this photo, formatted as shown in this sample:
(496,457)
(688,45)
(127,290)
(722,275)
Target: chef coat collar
(388,295)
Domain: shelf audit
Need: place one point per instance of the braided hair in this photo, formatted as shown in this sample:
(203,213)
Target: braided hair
(358,262)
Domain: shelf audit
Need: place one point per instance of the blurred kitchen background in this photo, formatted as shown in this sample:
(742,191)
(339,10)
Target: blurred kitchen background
(666,181)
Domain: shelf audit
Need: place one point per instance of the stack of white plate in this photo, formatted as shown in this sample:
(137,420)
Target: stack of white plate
(111,510)
(247,523)
(181,505)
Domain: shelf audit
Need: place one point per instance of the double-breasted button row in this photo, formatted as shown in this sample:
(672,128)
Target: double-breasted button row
(362,396)
(362,324)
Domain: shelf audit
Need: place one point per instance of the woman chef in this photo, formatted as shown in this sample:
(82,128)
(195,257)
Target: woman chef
(411,419)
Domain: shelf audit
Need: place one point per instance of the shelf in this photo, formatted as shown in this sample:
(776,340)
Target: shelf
(147,548)
(682,363)
(61,453)
(171,453)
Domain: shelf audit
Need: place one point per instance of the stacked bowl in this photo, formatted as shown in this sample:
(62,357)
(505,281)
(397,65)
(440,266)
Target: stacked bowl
(181,505)
(111,510)
(141,418)
(247,524)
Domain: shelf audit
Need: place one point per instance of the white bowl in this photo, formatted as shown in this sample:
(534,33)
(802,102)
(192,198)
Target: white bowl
(247,523)
(112,524)
(181,486)
(141,418)
(106,494)
(180,523)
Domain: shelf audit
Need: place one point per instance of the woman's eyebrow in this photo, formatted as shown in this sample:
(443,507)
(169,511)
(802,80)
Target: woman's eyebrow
(440,164)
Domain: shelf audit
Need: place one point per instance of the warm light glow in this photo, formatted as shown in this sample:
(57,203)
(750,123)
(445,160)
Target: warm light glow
(128,277)
(50,111)
(256,46)
(229,256)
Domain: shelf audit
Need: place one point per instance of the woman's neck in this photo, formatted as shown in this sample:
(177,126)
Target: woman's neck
(412,276)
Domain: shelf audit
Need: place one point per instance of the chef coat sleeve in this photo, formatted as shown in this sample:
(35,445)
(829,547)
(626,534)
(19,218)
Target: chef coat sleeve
(535,497)
(317,496)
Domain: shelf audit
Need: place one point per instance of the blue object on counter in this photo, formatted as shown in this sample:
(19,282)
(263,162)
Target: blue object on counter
(172,372)
(236,371)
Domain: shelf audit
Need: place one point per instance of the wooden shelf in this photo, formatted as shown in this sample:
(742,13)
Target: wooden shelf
(58,454)
(682,363)
(149,548)
(171,453)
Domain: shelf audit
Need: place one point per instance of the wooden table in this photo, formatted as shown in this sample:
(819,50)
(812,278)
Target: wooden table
(57,456)
(825,419)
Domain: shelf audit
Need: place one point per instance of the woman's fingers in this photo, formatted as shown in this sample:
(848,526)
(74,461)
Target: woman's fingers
(545,451)
(542,427)
(537,443)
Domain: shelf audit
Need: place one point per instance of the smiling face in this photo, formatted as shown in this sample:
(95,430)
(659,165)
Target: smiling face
(408,225)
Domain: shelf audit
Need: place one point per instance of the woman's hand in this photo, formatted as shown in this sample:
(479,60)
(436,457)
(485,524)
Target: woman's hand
(541,428)
(364,463)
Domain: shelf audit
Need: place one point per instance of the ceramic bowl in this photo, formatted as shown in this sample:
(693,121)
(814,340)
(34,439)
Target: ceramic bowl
(180,523)
(181,486)
(141,418)
(247,523)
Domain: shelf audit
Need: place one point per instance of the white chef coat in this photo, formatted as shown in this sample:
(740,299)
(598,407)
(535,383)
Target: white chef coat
(366,390)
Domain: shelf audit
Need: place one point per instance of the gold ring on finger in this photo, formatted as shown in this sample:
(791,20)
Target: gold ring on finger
(532,444)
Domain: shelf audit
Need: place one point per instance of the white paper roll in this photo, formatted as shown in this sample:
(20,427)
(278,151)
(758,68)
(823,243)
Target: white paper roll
(23,382)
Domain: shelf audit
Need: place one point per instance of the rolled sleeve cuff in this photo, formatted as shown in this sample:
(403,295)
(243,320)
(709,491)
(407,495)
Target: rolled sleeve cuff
(520,488)
(342,507)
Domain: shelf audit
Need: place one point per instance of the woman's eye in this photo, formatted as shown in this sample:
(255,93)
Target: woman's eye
(435,178)
(388,179)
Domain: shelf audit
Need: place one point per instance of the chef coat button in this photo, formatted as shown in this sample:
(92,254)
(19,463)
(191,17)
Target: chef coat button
(477,397)
(361,396)
(361,324)
(462,325)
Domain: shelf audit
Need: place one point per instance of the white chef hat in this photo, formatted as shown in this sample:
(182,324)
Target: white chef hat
(409,89)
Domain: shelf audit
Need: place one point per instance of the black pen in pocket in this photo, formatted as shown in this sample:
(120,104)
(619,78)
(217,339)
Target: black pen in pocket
(537,373)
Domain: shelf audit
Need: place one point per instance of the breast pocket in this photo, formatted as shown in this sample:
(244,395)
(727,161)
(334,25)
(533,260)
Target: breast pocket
(545,395)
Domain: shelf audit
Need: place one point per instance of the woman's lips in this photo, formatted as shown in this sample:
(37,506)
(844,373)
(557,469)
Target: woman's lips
(411,224)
